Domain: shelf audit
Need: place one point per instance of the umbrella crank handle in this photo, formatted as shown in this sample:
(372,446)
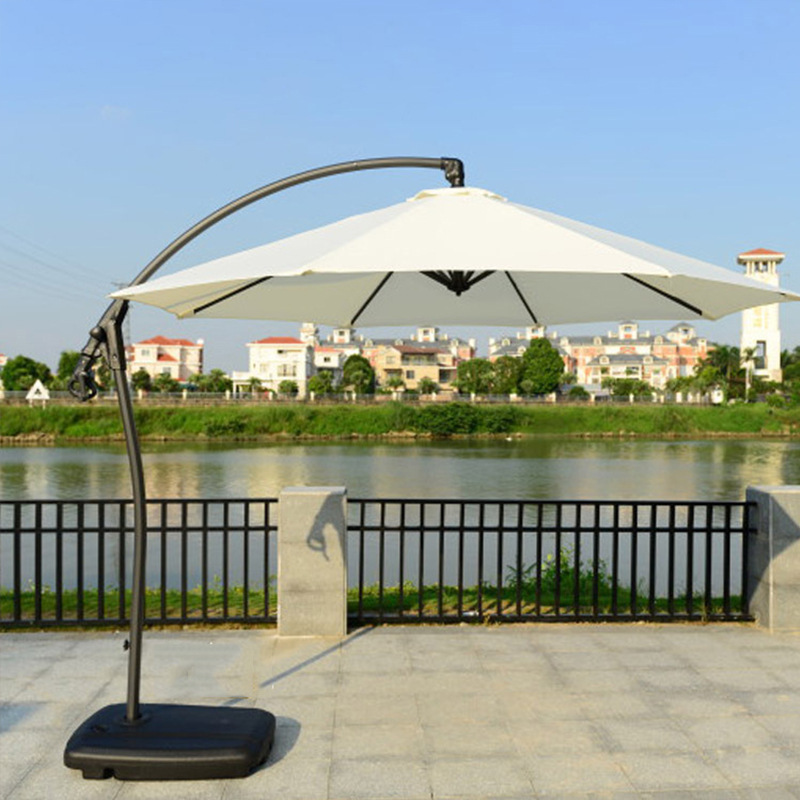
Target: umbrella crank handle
(105,340)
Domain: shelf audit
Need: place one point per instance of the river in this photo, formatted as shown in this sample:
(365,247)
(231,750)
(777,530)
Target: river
(551,468)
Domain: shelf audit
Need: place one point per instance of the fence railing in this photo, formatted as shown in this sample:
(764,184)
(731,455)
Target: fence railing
(215,561)
(443,561)
(69,562)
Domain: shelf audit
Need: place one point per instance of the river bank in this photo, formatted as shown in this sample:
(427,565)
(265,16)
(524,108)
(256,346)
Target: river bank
(75,424)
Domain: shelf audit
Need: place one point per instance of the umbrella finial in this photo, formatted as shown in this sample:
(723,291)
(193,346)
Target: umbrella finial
(453,171)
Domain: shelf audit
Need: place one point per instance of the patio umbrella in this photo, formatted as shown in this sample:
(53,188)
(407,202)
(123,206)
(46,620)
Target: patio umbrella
(449,256)
(457,255)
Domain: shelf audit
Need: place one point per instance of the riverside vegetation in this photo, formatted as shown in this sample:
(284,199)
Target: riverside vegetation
(66,424)
(522,592)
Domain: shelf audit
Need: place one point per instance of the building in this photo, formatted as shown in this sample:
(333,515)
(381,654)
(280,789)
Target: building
(3,360)
(428,354)
(274,360)
(627,352)
(761,331)
(178,358)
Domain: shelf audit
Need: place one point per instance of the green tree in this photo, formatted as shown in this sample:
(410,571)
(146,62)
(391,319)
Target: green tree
(506,375)
(166,383)
(321,383)
(624,387)
(141,380)
(395,382)
(215,382)
(728,361)
(542,368)
(358,375)
(427,386)
(21,372)
(288,388)
(474,376)
(578,393)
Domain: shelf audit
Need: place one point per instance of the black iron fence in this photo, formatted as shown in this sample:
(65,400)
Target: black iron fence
(215,561)
(443,561)
(69,562)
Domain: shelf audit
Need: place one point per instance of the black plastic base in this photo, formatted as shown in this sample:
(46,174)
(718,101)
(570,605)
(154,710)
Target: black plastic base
(171,743)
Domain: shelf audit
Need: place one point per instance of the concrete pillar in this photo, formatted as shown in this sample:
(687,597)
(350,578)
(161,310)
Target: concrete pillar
(312,561)
(774,557)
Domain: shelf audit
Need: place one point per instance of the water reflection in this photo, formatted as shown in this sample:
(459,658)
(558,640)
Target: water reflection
(540,468)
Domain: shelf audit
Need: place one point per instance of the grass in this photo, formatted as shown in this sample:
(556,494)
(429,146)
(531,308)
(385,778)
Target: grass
(223,423)
(433,601)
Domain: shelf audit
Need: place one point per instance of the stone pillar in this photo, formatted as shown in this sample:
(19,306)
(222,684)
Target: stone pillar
(774,557)
(312,561)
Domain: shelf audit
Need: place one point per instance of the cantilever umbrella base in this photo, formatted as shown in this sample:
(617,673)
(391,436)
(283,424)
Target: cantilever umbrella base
(171,742)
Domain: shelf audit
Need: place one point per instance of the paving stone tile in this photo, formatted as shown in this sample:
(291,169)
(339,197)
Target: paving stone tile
(558,737)
(462,740)
(558,776)
(720,733)
(435,709)
(589,680)
(379,778)
(377,741)
(487,777)
(659,772)
(759,767)
(635,735)
(785,729)
(616,705)
(289,779)
(701,706)
(541,706)
(376,710)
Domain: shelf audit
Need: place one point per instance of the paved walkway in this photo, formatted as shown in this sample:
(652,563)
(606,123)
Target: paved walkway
(620,711)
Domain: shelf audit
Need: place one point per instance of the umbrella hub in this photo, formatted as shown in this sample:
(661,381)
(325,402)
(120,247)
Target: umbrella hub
(457,281)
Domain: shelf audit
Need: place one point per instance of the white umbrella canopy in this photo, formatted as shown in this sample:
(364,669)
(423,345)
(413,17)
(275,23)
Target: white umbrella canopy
(454,256)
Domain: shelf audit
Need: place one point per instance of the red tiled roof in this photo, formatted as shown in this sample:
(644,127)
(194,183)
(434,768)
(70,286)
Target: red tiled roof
(165,357)
(760,251)
(278,340)
(165,341)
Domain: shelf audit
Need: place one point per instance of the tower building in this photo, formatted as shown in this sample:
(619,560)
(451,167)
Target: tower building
(761,330)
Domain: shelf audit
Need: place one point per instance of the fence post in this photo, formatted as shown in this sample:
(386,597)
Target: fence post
(312,561)
(774,557)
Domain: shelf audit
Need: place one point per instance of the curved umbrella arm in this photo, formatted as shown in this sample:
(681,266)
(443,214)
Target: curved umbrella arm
(83,385)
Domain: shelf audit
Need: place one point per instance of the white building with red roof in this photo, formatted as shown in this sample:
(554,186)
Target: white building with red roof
(178,358)
(761,330)
(277,359)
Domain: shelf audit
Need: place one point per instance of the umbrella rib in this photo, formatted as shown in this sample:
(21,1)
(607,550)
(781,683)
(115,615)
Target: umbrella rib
(230,294)
(371,297)
(522,298)
(688,306)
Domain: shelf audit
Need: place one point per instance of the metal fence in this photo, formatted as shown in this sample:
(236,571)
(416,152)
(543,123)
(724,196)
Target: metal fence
(453,561)
(409,560)
(69,562)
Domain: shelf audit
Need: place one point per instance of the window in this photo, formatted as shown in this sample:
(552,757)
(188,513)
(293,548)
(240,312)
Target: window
(760,355)
(409,374)
(146,353)
(287,370)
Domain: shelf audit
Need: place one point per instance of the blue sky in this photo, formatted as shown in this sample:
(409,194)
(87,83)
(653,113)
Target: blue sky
(123,123)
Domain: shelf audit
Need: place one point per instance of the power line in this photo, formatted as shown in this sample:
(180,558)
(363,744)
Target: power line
(30,243)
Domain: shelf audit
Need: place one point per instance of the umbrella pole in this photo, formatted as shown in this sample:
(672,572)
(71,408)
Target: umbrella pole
(115,346)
